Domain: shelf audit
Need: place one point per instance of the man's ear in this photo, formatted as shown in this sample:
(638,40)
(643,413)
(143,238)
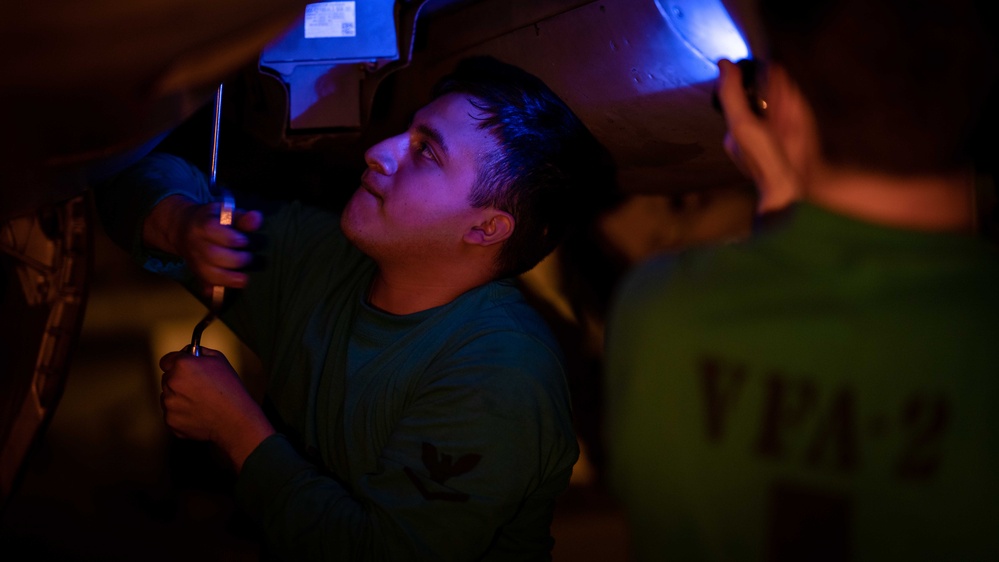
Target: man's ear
(495,227)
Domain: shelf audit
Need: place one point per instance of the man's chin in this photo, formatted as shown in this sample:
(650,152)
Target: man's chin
(348,224)
(352,225)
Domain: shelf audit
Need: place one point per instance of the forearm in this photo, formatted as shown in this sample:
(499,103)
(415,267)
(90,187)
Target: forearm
(299,507)
(162,227)
(125,201)
(242,442)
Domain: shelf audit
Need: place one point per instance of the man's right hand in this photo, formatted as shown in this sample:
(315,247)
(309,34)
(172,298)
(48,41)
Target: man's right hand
(751,145)
(191,231)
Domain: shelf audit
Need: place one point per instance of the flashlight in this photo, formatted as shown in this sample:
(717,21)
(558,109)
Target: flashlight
(749,69)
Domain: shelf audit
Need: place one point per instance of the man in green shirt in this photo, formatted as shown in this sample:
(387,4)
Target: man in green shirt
(418,407)
(827,389)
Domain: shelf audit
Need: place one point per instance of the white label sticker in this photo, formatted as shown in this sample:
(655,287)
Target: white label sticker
(330,19)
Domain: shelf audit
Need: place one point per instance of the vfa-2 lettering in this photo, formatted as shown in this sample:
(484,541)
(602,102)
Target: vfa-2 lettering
(798,419)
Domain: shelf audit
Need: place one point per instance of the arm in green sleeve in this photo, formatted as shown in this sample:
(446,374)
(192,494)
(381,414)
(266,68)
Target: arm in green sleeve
(124,202)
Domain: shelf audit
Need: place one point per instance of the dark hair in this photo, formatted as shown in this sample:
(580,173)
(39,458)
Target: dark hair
(895,85)
(549,169)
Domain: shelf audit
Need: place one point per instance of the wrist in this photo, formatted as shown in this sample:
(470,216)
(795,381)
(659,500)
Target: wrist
(246,440)
(164,227)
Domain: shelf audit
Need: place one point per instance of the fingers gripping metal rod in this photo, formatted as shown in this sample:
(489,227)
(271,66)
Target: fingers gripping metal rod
(218,291)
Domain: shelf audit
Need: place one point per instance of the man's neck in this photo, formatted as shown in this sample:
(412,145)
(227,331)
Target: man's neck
(941,203)
(400,294)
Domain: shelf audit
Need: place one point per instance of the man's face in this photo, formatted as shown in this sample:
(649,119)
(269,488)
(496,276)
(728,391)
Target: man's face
(413,201)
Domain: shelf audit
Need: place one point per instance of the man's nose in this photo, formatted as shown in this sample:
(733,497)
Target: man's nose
(384,156)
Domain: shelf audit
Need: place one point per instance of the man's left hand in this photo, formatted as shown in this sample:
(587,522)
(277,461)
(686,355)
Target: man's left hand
(204,399)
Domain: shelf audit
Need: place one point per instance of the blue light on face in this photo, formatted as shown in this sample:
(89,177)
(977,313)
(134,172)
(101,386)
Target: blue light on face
(706,27)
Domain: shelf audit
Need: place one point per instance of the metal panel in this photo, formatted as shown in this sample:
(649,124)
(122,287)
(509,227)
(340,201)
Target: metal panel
(640,86)
(336,33)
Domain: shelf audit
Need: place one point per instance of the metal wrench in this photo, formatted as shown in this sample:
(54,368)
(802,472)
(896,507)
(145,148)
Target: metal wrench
(225,218)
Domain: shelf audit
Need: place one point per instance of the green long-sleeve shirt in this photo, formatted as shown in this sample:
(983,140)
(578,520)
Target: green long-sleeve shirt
(440,435)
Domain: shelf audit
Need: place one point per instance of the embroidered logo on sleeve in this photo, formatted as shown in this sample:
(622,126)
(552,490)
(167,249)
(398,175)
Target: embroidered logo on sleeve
(442,467)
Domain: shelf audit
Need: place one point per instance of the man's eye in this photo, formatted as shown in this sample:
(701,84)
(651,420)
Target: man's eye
(423,150)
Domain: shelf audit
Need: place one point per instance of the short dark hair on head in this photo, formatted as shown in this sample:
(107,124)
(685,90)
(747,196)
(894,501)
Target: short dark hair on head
(549,163)
(895,85)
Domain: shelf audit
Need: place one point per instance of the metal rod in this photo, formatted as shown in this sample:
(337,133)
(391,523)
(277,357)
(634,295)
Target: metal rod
(225,218)
(218,291)
(195,347)
(215,136)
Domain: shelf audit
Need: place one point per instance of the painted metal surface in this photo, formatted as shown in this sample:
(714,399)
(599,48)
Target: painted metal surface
(84,83)
(640,81)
